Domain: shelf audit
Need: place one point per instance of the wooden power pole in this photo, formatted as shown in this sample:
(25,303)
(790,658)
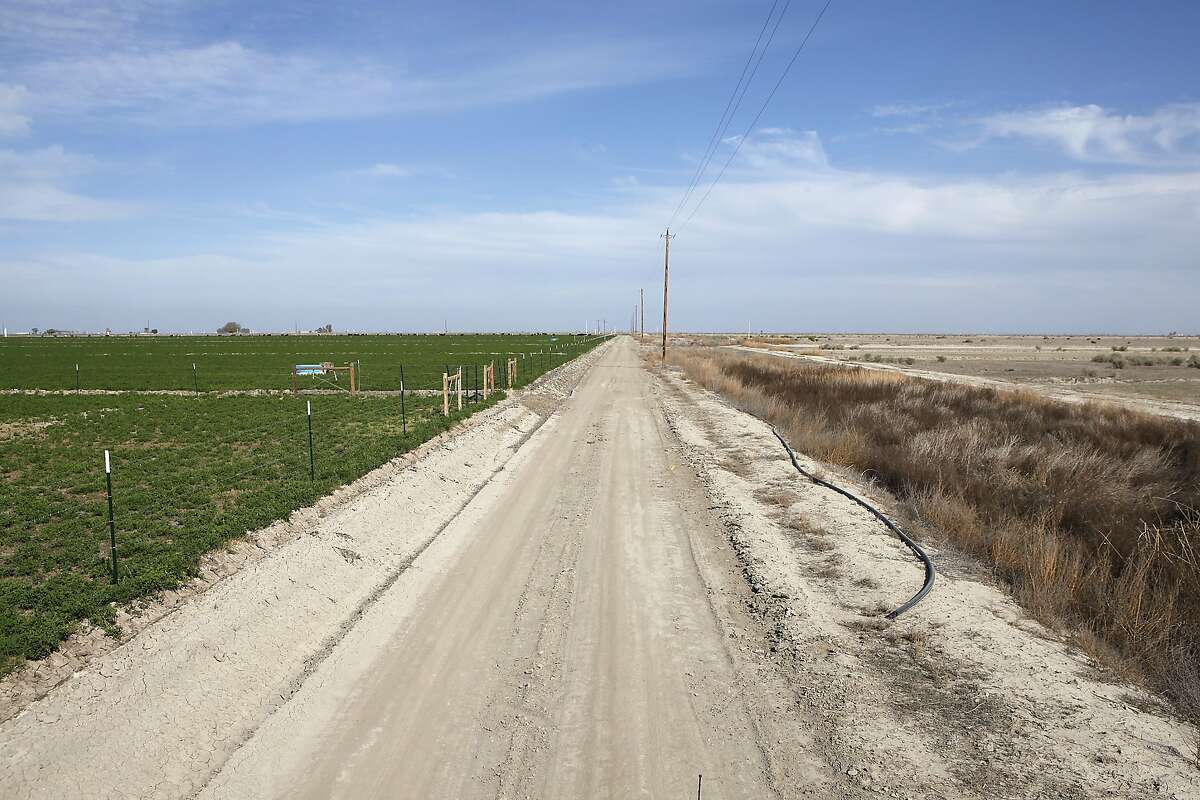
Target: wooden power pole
(666,273)
(642,303)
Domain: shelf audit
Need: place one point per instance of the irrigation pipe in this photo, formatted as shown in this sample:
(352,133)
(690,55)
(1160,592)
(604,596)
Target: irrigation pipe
(904,537)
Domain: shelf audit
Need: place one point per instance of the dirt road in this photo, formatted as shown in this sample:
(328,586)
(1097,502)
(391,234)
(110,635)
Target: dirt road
(561,643)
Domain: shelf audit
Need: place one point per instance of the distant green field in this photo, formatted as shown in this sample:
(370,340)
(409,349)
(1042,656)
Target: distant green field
(265,362)
(190,472)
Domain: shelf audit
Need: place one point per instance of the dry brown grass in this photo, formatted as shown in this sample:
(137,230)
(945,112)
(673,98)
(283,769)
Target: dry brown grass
(737,466)
(810,536)
(1087,512)
(772,495)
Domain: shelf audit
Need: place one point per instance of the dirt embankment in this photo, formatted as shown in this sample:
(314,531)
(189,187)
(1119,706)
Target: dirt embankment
(963,697)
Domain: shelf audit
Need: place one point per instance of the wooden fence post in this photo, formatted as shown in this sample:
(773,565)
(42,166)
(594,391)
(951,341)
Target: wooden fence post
(445,395)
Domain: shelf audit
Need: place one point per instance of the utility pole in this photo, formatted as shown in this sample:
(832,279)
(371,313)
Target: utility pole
(642,302)
(667,237)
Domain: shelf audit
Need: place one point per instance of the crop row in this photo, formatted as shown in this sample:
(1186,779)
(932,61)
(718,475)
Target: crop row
(190,472)
(212,363)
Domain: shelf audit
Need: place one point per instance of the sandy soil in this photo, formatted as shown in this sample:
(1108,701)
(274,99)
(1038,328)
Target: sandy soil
(605,589)
(1151,398)
(558,641)
(965,696)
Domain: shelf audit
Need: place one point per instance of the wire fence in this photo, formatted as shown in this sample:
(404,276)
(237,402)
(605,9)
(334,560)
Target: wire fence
(189,473)
(180,370)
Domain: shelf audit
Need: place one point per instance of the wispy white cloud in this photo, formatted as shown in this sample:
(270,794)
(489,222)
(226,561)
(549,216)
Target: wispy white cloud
(14,121)
(40,27)
(386,170)
(1169,135)
(219,84)
(391,169)
(805,243)
(33,187)
(907,109)
(785,178)
(229,83)
(45,163)
(773,151)
(44,202)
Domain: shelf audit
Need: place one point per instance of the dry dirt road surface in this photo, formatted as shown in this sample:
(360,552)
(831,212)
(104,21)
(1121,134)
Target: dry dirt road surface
(561,643)
(606,588)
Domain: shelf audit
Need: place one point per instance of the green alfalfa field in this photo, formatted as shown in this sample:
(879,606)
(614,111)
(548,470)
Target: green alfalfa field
(191,470)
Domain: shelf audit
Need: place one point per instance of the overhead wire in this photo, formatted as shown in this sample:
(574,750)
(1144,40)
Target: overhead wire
(749,128)
(727,116)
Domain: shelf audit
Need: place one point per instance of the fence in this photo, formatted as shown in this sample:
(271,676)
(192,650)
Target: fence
(188,365)
(188,472)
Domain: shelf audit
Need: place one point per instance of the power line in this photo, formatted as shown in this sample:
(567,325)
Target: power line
(726,116)
(757,116)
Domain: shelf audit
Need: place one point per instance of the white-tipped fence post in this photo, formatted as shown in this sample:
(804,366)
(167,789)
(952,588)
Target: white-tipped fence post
(112,524)
(312,469)
(403,414)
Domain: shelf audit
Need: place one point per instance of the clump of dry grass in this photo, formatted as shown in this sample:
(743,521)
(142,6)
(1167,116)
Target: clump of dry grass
(810,536)
(737,466)
(775,496)
(1087,512)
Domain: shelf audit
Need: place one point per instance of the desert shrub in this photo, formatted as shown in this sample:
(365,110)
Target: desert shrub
(1088,512)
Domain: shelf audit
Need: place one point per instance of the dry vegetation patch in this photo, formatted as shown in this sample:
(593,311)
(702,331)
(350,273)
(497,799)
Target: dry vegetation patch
(1087,512)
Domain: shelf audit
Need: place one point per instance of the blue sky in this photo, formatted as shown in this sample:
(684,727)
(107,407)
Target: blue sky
(940,166)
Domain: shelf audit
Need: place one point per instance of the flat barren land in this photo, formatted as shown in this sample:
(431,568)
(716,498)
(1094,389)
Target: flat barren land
(609,584)
(1153,373)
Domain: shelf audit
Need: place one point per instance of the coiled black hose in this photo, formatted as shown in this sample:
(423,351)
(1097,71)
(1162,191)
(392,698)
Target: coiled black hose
(904,537)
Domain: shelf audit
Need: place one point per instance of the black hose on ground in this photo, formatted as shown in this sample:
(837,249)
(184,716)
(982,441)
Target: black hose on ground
(904,537)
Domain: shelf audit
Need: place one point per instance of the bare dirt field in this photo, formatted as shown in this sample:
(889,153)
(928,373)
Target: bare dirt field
(604,588)
(1155,373)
